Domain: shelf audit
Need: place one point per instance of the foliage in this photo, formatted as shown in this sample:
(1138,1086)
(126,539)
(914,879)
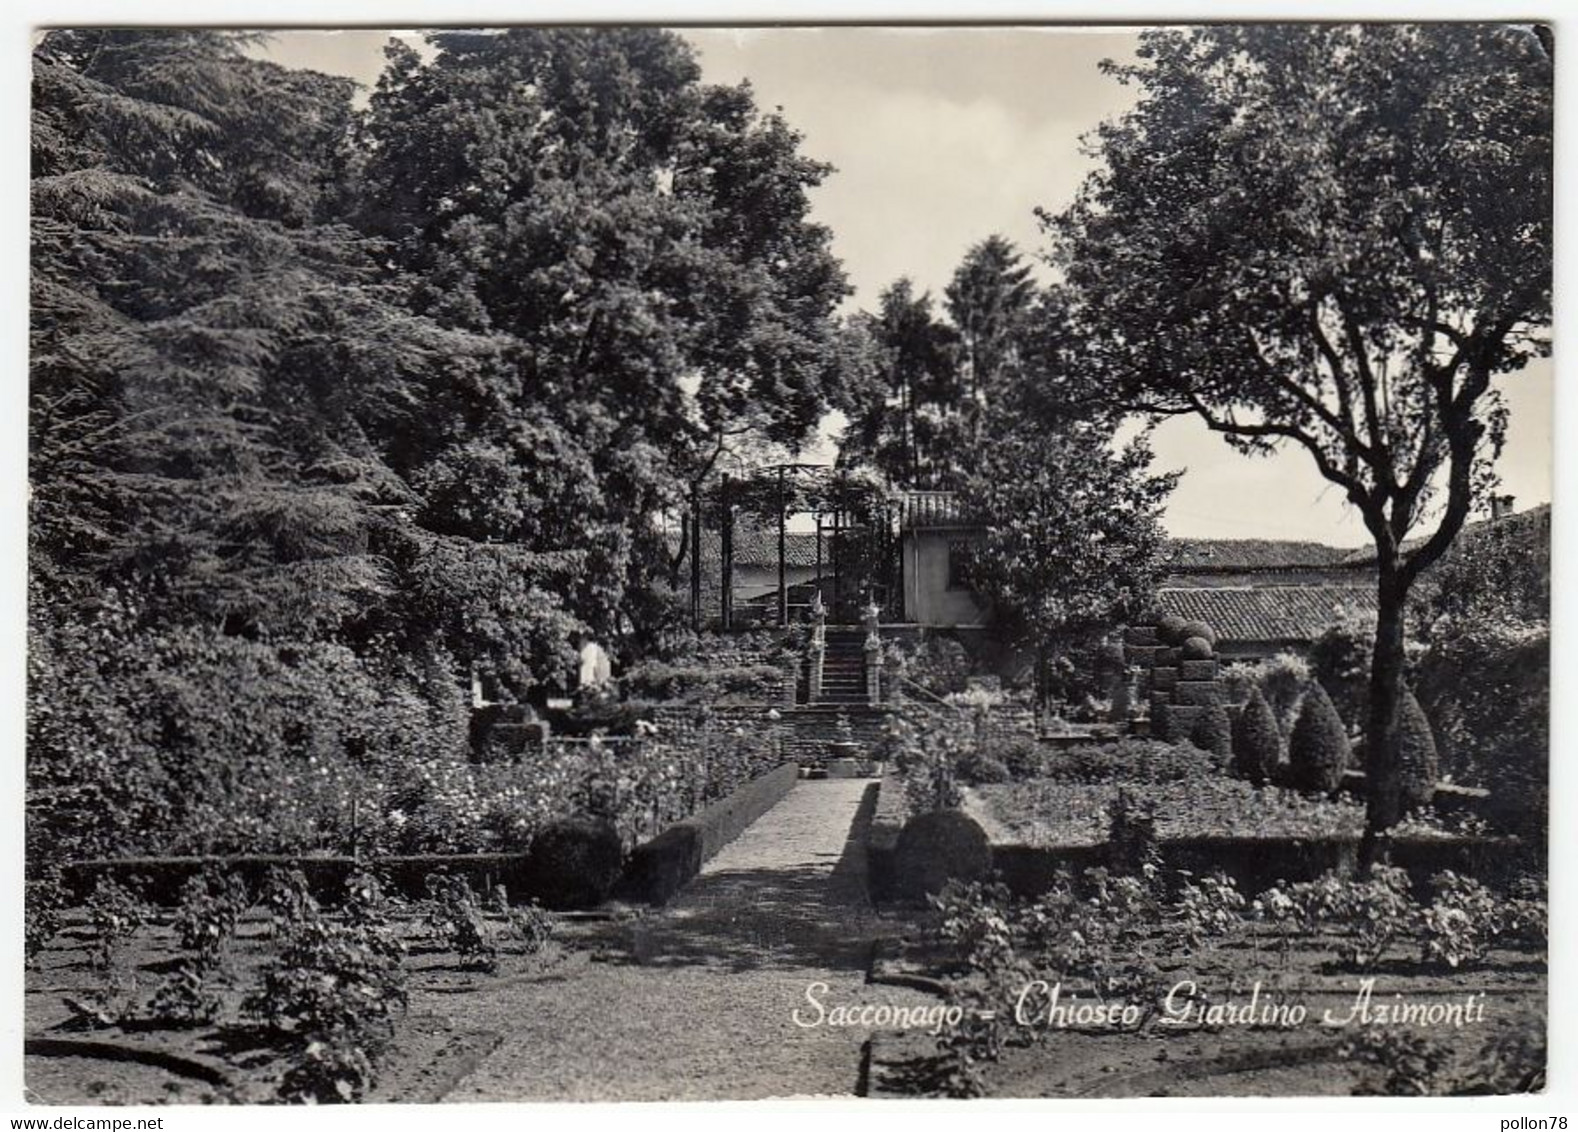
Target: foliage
(1061,812)
(927,759)
(455,921)
(529,926)
(1133,761)
(1462,921)
(938,664)
(1132,843)
(1417,762)
(1340,663)
(1196,648)
(1073,540)
(700,683)
(1401,1064)
(327,1000)
(1213,732)
(1486,683)
(298,461)
(1274,162)
(1209,909)
(115,914)
(1375,913)
(1282,679)
(1257,741)
(44,899)
(205,921)
(1318,749)
(184,998)
(1023,756)
(978,768)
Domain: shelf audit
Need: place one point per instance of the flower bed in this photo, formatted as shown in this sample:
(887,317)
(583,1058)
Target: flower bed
(1047,812)
(446,804)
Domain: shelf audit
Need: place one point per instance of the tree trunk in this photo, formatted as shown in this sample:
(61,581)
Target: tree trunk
(1383,807)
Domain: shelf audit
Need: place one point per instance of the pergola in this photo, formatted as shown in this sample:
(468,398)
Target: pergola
(842,505)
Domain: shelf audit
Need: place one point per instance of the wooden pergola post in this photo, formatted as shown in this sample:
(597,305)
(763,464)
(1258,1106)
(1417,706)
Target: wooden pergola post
(726,548)
(695,559)
(783,546)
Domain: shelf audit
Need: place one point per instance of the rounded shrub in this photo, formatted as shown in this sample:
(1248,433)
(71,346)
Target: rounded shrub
(573,863)
(1418,764)
(1022,756)
(1213,732)
(938,847)
(1318,750)
(1196,648)
(1198,629)
(1257,741)
(981,769)
(1170,629)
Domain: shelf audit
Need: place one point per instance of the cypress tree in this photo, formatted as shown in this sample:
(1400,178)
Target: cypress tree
(1318,751)
(1257,741)
(1417,761)
(1213,732)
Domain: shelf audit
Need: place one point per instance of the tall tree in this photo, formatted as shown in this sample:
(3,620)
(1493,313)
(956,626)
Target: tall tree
(1072,510)
(989,300)
(903,423)
(646,241)
(1332,237)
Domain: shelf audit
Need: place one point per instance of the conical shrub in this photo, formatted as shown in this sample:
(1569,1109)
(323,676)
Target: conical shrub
(1418,764)
(1318,750)
(1257,741)
(1213,732)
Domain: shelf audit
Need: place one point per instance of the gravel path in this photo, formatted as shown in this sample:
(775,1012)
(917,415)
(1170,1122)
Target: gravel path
(696,1001)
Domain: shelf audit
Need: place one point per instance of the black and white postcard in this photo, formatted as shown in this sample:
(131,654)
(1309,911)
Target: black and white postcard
(637,563)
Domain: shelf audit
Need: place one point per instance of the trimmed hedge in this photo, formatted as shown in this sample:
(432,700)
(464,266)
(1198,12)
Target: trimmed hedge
(1418,764)
(661,867)
(1318,750)
(1196,648)
(1170,629)
(938,847)
(573,863)
(1257,863)
(1257,741)
(1213,732)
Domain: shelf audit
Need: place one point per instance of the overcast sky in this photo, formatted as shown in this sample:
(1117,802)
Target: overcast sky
(941,137)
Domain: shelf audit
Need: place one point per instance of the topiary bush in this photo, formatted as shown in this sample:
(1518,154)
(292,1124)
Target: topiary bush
(1170,629)
(1257,741)
(1418,765)
(1197,648)
(1213,732)
(573,863)
(1318,750)
(936,848)
(1023,756)
(981,769)
(1198,629)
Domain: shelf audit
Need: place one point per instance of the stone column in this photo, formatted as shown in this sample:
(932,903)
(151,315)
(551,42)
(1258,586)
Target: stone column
(872,615)
(818,655)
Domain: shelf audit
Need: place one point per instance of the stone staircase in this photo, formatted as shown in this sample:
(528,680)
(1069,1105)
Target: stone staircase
(844,668)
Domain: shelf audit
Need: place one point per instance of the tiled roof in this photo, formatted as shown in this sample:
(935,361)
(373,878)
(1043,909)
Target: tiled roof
(1365,555)
(1268,613)
(1239,554)
(760,548)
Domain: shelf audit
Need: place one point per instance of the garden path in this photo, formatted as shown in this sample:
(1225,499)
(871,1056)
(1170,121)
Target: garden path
(696,1001)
